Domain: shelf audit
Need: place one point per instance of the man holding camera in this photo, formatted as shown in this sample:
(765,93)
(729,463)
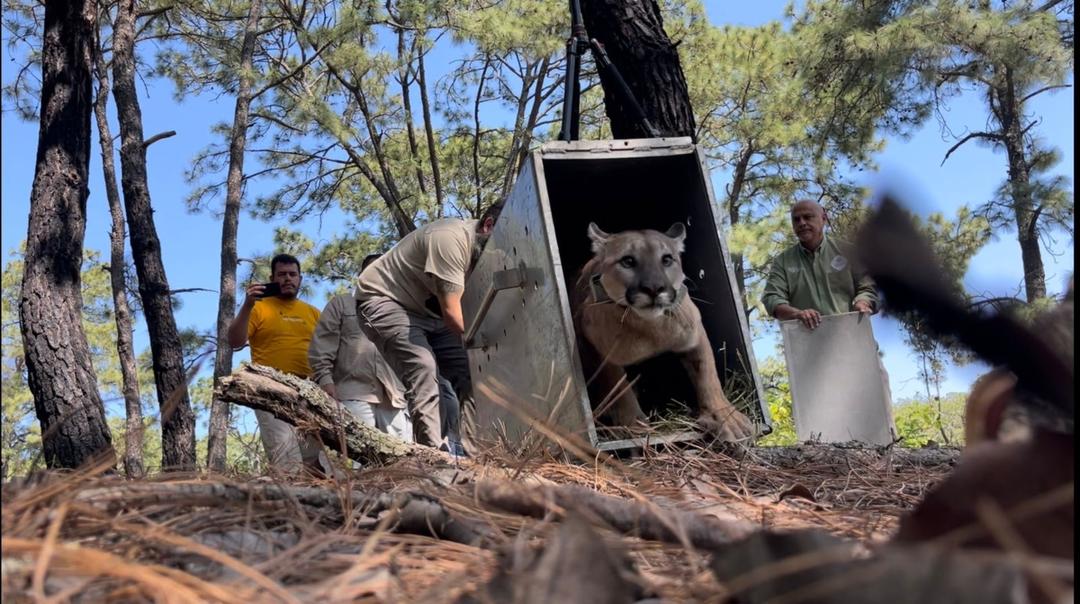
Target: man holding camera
(279,326)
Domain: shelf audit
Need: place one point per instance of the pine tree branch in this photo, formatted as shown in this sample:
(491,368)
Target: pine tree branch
(986,135)
(1044,89)
(157,137)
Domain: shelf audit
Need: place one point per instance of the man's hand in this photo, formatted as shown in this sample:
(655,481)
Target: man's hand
(809,317)
(330,389)
(239,325)
(864,307)
(252,293)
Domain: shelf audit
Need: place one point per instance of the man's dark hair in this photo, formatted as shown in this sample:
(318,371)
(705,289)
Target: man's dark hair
(493,211)
(284,259)
(369,259)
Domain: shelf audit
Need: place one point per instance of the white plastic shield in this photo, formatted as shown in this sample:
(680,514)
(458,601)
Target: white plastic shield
(837,388)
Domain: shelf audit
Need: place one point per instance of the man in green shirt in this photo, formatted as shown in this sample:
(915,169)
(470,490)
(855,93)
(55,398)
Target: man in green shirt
(816,276)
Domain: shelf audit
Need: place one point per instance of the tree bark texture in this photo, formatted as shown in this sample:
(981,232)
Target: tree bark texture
(234,188)
(1023,206)
(125,346)
(59,369)
(302,403)
(178,422)
(632,32)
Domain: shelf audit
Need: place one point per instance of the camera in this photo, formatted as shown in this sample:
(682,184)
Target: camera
(272,289)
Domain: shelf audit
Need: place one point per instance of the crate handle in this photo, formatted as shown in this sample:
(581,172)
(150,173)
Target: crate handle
(512,278)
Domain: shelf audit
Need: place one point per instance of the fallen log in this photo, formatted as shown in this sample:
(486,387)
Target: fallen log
(841,455)
(633,518)
(413,513)
(303,404)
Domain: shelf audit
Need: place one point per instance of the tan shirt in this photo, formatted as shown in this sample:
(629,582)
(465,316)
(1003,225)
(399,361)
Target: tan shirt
(407,273)
(340,354)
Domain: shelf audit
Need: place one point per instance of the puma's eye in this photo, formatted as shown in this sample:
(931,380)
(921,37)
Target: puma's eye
(667,260)
(627,262)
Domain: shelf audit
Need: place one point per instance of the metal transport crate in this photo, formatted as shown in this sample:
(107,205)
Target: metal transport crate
(526,372)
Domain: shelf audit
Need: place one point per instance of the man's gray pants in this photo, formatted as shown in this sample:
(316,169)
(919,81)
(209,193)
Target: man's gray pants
(419,349)
(384,417)
(286,452)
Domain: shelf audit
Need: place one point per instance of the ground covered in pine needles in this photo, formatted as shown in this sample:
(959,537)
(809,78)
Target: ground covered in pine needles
(434,529)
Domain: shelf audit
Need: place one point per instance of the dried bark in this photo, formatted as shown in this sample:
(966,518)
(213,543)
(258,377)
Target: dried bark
(234,183)
(632,32)
(178,422)
(60,373)
(303,404)
(125,346)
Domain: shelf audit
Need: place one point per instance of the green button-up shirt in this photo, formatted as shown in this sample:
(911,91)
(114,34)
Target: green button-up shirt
(825,280)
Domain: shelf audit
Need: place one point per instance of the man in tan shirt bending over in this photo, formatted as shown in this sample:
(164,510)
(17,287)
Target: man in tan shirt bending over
(409,304)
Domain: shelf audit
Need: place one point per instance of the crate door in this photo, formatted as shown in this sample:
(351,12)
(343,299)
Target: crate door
(523,356)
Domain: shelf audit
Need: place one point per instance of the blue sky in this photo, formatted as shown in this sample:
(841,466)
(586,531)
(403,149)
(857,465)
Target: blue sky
(191,242)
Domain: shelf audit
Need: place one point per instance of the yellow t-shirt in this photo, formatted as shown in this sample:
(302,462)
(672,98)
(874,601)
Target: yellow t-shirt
(280,331)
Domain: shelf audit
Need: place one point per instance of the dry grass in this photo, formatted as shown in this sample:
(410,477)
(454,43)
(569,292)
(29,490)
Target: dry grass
(91,537)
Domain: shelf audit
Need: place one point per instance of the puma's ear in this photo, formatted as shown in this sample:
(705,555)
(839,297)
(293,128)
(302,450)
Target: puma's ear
(598,237)
(678,233)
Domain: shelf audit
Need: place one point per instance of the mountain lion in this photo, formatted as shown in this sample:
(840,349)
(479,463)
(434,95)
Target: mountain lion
(630,304)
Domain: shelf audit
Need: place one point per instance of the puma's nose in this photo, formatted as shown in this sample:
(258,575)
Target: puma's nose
(650,290)
(657,292)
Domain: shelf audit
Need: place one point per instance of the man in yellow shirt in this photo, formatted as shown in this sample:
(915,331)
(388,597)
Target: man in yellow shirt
(279,329)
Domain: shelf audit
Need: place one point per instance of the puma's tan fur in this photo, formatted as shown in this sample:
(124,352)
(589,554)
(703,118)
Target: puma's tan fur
(641,314)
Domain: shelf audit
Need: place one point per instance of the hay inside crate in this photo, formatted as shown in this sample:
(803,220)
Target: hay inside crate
(524,357)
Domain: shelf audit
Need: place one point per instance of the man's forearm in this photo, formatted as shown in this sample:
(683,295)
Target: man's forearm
(785,312)
(454,318)
(450,302)
(238,327)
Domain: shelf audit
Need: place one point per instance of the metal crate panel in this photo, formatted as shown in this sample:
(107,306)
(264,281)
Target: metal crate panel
(524,363)
(524,360)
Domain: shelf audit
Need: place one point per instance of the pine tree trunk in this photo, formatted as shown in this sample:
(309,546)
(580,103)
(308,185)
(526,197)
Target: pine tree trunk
(234,185)
(406,103)
(429,129)
(734,205)
(1027,231)
(177,419)
(125,346)
(632,32)
(59,369)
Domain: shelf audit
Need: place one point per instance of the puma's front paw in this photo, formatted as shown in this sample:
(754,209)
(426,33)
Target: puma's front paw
(727,423)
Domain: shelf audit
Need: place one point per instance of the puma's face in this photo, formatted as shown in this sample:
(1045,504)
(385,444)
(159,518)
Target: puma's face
(640,269)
